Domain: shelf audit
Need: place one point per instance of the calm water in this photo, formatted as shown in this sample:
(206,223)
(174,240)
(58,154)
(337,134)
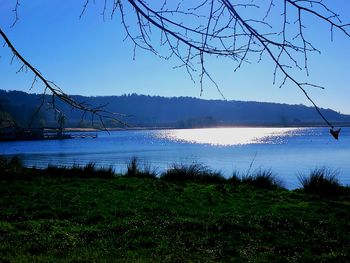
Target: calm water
(287,151)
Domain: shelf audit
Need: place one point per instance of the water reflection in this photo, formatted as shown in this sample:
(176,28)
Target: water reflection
(229,136)
(287,151)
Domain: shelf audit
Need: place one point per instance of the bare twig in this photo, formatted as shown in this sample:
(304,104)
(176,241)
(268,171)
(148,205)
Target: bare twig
(223,32)
(100,111)
(191,31)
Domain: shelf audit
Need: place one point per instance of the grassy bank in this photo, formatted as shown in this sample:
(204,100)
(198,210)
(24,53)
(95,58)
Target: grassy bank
(92,215)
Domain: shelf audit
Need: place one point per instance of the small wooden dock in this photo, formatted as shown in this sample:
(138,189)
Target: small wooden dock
(83,135)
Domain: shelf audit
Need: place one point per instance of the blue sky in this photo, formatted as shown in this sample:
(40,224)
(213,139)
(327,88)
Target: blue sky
(89,57)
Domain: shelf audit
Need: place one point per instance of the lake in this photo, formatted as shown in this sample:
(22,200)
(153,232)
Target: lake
(288,152)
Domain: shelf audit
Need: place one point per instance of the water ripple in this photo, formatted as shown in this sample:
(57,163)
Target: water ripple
(229,136)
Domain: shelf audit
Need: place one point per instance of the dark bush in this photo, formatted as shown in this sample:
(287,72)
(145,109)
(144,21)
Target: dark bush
(11,168)
(321,181)
(264,179)
(87,171)
(134,170)
(192,172)
(235,178)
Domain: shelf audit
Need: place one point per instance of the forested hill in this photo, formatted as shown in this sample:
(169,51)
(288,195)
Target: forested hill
(181,112)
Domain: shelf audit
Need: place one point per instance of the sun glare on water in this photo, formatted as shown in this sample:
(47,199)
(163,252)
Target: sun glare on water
(229,136)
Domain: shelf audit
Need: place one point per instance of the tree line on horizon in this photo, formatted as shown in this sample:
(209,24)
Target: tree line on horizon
(23,109)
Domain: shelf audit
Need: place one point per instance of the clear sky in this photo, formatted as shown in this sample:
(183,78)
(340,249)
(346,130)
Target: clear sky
(89,57)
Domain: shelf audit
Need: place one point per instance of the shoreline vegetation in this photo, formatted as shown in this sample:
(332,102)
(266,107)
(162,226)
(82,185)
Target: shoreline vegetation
(187,213)
(155,111)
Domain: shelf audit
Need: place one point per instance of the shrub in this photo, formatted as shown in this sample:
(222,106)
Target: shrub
(90,170)
(235,178)
(193,172)
(16,163)
(87,171)
(264,179)
(11,168)
(321,181)
(133,170)
(3,164)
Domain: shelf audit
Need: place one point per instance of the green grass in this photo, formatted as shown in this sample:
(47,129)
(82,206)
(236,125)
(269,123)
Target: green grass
(46,217)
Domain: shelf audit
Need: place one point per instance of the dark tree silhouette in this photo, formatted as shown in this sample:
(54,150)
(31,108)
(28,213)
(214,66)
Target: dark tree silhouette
(192,31)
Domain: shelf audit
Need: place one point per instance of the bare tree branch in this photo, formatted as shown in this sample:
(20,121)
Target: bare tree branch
(222,31)
(193,31)
(56,92)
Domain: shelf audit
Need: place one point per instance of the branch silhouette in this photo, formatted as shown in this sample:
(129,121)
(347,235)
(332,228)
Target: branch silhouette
(100,112)
(193,31)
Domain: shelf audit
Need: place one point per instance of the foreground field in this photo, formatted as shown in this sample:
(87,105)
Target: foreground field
(50,218)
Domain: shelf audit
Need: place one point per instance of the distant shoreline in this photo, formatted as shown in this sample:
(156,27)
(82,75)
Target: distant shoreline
(213,127)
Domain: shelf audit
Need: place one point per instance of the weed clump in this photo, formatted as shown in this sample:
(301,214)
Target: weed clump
(235,179)
(322,182)
(88,171)
(194,172)
(264,179)
(11,168)
(102,172)
(134,170)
